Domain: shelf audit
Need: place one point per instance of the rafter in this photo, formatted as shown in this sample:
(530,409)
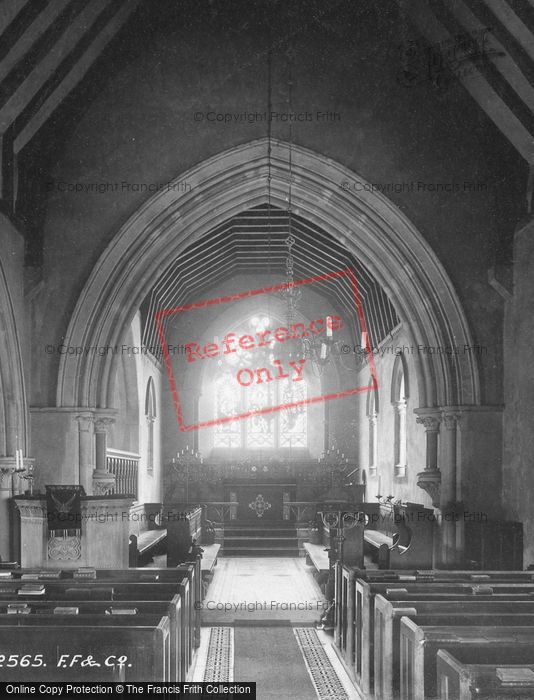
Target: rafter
(473,80)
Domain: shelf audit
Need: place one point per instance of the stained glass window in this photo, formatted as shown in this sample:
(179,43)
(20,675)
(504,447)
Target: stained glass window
(285,428)
(293,421)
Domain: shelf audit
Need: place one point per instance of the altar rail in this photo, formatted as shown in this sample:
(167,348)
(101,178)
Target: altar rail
(125,467)
(219,512)
(300,511)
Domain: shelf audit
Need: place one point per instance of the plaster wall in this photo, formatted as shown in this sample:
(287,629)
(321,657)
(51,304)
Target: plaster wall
(518,472)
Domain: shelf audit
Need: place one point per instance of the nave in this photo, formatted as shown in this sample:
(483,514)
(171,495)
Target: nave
(266,291)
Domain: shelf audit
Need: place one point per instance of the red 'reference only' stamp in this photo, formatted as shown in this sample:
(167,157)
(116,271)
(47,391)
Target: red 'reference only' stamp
(255,344)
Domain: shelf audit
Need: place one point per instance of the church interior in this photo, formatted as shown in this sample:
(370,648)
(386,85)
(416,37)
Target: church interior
(266,331)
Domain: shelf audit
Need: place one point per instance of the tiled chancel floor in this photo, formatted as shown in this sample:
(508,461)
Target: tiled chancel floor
(273,583)
(266,589)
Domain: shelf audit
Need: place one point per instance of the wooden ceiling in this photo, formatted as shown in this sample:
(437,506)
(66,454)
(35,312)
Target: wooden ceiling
(254,242)
(46,49)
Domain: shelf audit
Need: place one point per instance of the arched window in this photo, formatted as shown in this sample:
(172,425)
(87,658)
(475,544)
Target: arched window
(399,396)
(150,415)
(372,415)
(286,428)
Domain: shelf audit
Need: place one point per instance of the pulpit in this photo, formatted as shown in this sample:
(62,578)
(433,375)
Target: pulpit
(260,499)
(100,541)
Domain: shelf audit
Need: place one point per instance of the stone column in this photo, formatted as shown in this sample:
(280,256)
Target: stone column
(448,499)
(373,444)
(400,448)
(103,481)
(196,406)
(7,470)
(33,531)
(430,479)
(85,450)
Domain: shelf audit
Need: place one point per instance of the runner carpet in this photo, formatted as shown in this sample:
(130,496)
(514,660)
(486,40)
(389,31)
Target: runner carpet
(271,657)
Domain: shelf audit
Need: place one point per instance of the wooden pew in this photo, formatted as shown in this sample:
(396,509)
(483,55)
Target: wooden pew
(400,536)
(462,677)
(173,609)
(143,639)
(193,571)
(365,592)
(419,646)
(184,528)
(345,593)
(208,563)
(120,591)
(317,556)
(147,536)
(385,681)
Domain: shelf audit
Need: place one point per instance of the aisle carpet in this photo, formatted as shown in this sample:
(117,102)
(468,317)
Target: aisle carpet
(271,657)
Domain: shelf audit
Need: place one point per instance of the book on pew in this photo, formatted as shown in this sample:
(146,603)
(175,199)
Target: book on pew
(515,676)
(121,611)
(51,574)
(32,576)
(32,589)
(18,609)
(6,574)
(482,590)
(66,610)
(86,572)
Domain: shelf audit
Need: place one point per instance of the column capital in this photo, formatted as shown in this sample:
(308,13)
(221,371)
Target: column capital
(450,419)
(102,423)
(85,421)
(103,483)
(430,422)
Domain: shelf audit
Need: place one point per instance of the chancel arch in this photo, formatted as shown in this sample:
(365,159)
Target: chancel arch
(365,222)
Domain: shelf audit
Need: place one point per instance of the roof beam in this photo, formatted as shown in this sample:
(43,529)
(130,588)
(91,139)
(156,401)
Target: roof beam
(9,9)
(75,74)
(506,66)
(517,28)
(474,82)
(45,69)
(32,34)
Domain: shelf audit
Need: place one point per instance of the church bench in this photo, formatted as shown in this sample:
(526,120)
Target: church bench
(364,596)
(143,639)
(317,556)
(119,590)
(192,569)
(459,679)
(349,620)
(207,564)
(147,536)
(385,676)
(399,535)
(345,593)
(173,609)
(184,531)
(419,646)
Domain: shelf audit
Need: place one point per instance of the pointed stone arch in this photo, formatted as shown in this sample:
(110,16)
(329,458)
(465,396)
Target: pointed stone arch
(13,404)
(365,222)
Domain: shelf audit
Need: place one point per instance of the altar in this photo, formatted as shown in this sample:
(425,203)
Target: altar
(261,499)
